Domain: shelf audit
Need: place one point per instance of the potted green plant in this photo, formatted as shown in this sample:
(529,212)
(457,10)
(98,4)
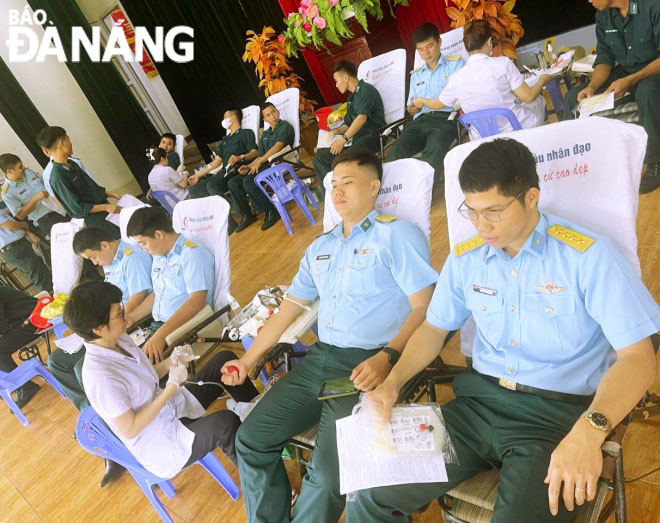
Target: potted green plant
(318,21)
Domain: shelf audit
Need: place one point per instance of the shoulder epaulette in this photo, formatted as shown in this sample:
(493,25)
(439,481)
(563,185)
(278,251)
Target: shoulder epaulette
(189,244)
(453,58)
(4,188)
(128,251)
(415,70)
(384,218)
(468,245)
(571,238)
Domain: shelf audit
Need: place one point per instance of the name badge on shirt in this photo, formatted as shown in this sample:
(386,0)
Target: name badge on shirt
(633,8)
(23,191)
(323,257)
(484,290)
(157,269)
(420,83)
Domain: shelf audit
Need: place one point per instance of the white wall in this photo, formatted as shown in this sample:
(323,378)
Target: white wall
(53,90)
(11,143)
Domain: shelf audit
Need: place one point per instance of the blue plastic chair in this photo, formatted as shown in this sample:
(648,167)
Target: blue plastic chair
(10,381)
(274,178)
(166,199)
(95,437)
(485,120)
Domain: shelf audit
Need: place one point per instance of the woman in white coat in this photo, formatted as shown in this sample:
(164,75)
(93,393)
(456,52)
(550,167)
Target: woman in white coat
(486,82)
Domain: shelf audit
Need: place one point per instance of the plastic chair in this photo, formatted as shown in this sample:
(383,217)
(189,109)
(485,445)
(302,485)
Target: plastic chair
(10,381)
(274,178)
(95,437)
(485,120)
(166,199)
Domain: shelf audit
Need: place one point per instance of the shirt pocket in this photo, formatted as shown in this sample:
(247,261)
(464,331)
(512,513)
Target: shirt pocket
(360,275)
(487,313)
(320,273)
(550,323)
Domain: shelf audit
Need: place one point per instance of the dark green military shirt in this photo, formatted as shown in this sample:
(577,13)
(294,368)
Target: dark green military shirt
(283,132)
(173,160)
(240,142)
(632,42)
(365,100)
(75,190)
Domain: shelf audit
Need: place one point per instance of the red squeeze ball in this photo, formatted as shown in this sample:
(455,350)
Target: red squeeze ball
(422,427)
(232,368)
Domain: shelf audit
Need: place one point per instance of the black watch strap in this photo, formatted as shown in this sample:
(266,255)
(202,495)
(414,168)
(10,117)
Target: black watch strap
(392,355)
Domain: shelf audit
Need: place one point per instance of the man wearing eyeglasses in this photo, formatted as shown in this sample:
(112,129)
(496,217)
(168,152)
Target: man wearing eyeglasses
(561,355)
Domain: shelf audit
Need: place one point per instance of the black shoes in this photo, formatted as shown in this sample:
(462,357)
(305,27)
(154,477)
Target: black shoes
(112,471)
(231,224)
(650,179)
(248,219)
(25,393)
(272,217)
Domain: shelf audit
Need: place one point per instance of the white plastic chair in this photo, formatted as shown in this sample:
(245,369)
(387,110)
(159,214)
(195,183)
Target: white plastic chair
(451,44)
(124,217)
(251,119)
(387,73)
(66,265)
(604,199)
(287,102)
(178,147)
(204,221)
(405,192)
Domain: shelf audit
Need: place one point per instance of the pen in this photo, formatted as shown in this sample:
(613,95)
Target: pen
(528,69)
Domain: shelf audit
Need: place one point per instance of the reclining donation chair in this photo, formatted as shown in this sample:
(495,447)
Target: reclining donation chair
(580,180)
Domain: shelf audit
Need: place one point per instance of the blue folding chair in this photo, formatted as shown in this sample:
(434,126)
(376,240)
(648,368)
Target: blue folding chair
(274,178)
(485,120)
(166,199)
(95,437)
(10,381)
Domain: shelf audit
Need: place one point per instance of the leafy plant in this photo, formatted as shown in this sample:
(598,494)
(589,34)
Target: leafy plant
(273,68)
(318,21)
(507,29)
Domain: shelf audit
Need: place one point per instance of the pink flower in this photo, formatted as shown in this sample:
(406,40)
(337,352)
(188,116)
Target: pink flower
(280,38)
(306,3)
(333,2)
(320,22)
(307,26)
(301,10)
(313,11)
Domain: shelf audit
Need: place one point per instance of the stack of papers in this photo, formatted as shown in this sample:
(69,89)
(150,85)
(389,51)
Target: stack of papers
(596,103)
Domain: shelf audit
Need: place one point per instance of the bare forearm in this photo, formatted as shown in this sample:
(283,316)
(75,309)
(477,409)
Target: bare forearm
(100,207)
(600,76)
(143,309)
(433,103)
(625,382)
(270,334)
(649,70)
(163,367)
(28,207)
(412,323)
(135,300)
(15,226)
(136,422)
(355,126)
(215,163)
(192,306)
(422,348)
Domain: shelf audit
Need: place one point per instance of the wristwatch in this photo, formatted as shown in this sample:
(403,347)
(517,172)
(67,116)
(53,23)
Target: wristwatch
(598,420)
(392,355)
(344,137)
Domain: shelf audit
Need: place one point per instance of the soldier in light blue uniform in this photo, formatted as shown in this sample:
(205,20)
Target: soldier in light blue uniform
(16,248)
(182,273)
(24,192)
(374,281)
(430,132)
(562,352)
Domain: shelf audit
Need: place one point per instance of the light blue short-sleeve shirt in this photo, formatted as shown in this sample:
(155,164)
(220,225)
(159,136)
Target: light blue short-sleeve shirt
(187,268)
(553,316)
(425,83)
(7,236)
(130,270)
(17,194)
(363,281)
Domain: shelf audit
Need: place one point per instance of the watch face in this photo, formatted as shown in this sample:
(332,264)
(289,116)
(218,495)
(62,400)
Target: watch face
(599,419)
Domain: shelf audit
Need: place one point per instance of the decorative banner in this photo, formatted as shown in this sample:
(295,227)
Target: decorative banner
(120,20)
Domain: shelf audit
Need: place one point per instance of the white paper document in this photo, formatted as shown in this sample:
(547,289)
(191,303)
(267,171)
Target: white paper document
(128,200)
(596,103)
(361,467)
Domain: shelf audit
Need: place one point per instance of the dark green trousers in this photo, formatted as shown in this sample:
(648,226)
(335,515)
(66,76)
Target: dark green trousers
(489,427)
(646,93)
(21,255)
(289,408)
(430,134)
(243,185)
(67,369)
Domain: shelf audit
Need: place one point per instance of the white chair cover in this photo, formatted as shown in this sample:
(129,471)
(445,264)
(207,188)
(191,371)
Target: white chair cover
(204,221)
(251,120)
(287,103)
(451,44)
(589,173)
(66,265)
(124,217)
(405,192)
(178,147)
(387,73)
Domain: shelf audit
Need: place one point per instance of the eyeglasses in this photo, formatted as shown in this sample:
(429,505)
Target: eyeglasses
(491,216)
(122,316)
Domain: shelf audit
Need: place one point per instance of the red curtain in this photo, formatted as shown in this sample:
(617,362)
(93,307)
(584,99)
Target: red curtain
(418,12)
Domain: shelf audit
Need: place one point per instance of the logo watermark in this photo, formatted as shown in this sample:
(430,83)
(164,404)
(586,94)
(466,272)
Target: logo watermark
(24,44)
